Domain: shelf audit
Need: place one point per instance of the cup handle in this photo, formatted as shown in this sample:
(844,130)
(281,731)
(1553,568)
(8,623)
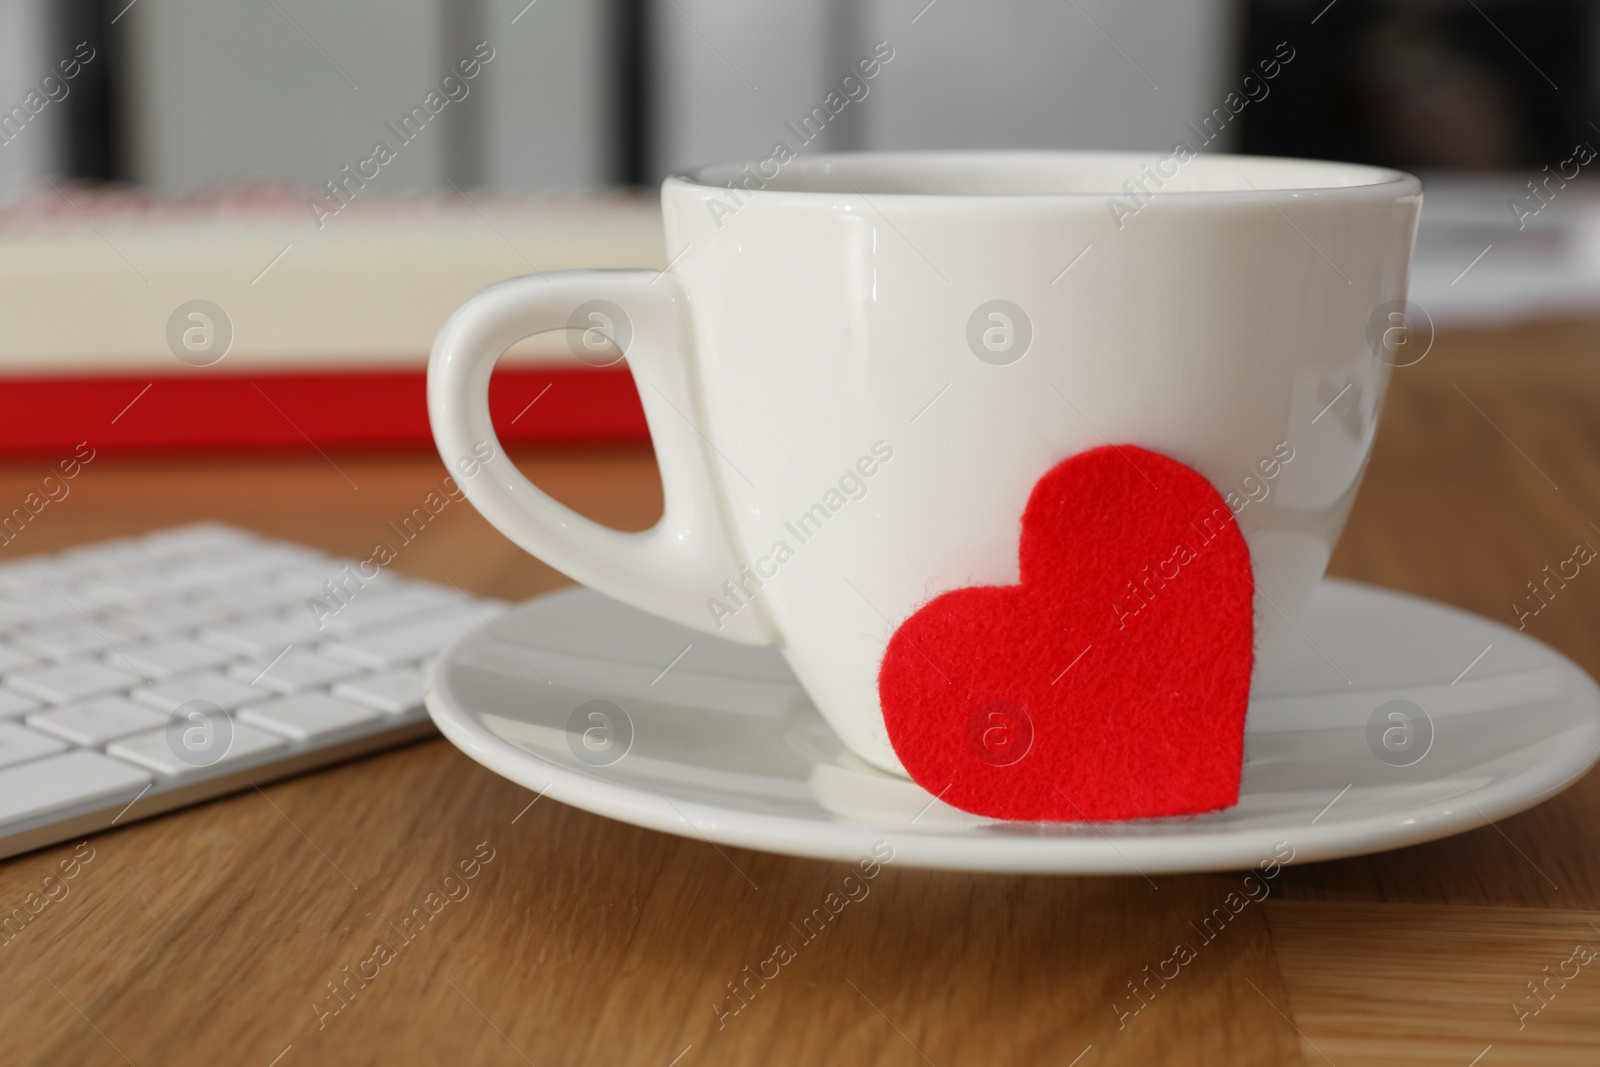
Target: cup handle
(680,564)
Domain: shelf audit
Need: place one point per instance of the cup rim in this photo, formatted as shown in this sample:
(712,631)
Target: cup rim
(856,174)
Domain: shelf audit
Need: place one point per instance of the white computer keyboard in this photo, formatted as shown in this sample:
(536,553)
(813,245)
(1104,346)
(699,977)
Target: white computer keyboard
(144,674)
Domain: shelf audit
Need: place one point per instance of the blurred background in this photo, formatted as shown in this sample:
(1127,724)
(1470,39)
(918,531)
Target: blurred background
(184,156)
(189,95)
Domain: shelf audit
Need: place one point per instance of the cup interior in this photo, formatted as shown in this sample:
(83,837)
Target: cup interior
(1037,174)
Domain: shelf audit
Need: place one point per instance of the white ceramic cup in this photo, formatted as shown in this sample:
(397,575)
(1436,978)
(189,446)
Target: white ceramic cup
(856,367)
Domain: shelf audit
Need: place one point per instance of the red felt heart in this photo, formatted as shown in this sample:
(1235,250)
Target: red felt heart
(1112,682)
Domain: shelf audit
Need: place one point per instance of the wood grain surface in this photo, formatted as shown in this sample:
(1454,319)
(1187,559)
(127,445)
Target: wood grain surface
(215,935)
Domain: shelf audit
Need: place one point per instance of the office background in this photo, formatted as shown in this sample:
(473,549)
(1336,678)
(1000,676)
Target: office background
(191,136)
(188,95)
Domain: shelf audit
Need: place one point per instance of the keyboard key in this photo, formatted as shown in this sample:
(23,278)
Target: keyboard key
(309,716)
(54,783)
(12,704)
(392,692)
(11,659)
(170,659)
(26,572)
(224,565)
(139,586)
(70,640)
(96,722)
(48,597)
(226,693)
(107,557)
(369,611)
(264,637)
(18,745)
(310,580)
(14,614)
(117,549)
(390,648)
(154,750)
(293,671)
(166,620)
(254,597)
(71,681)
(196,537)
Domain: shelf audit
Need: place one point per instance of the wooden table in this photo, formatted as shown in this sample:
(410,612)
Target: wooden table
(211,935)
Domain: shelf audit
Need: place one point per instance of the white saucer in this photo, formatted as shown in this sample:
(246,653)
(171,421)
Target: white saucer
(725,746)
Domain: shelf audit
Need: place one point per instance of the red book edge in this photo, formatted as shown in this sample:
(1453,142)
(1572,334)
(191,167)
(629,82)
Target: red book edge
(303,411)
